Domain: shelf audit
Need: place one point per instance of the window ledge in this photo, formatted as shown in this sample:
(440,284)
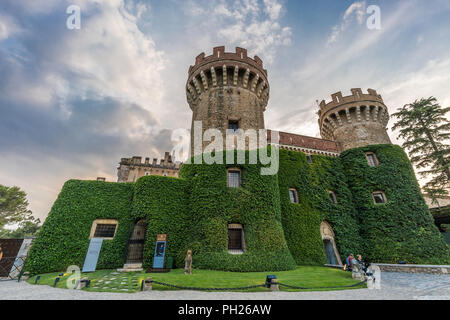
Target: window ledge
(235,252)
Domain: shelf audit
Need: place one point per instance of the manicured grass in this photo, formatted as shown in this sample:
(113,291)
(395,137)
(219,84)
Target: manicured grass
(304,276)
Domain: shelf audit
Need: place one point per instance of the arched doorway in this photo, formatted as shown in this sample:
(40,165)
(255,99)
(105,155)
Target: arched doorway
(329,244)
(135,254)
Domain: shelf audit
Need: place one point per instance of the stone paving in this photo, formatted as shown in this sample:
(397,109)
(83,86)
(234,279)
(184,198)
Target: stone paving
(394,286)
(116,281)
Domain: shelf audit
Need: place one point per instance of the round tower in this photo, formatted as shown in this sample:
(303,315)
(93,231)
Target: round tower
(354,121)
(227,91)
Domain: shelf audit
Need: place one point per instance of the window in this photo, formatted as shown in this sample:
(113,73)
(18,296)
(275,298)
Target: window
(233,125)
(332,196)
(104,228)
(372,159)
(293,196)
(147,173)
(236,243)
(105,231)
(234,178)
(309,158)
(379,197)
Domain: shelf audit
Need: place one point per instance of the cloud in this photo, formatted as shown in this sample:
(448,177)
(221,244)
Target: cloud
(252,24)
(356,10)
(73,102)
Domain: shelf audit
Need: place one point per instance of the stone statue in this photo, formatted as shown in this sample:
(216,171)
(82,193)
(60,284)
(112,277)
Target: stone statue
(188,263)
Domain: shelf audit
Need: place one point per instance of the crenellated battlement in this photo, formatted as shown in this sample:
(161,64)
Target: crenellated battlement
(219,54)
(165,163)
(227,69)
(355,120)
(357,96)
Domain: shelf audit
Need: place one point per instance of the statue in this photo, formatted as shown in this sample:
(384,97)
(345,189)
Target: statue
(188,263)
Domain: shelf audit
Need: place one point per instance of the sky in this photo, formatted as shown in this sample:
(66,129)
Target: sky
(75,101)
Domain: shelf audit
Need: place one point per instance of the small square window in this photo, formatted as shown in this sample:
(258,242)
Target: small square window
(309,158)
(332,196)
(233,125)
(379,197)
(293,196)
(372,159)
(234,178)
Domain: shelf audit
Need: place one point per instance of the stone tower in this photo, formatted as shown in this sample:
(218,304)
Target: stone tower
(354,121)
(227,91)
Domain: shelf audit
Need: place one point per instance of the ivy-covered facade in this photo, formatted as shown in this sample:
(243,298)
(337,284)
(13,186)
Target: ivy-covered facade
(280,215)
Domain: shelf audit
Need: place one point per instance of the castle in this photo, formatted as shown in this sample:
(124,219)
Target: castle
(350,192)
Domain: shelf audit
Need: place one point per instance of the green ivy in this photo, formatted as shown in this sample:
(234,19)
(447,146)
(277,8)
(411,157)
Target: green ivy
(195,209)
(64,236)
(401,229)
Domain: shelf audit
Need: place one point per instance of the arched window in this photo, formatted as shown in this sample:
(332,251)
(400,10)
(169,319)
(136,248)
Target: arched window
(372,159)
(293,195)
(379,197)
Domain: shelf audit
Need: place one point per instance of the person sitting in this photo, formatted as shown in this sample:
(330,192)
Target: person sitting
(362,263)
(348,262)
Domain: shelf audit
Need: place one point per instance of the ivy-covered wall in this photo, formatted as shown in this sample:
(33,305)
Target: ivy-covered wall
(195,210)
(256,205)
(162,202)
(302,221)
(64,237)
(401,229)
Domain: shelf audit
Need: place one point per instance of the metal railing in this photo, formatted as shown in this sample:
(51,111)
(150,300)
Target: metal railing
(11,268)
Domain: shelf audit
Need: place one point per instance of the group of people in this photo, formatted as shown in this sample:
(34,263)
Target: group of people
(351,261)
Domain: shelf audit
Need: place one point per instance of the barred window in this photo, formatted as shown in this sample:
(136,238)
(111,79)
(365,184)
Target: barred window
(104,228)
(379,197)
(293,196)
(236,243)
(371,159)
(234,178)
(105,231)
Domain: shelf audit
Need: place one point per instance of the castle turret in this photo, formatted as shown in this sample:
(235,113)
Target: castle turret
(227,91)
(354,121)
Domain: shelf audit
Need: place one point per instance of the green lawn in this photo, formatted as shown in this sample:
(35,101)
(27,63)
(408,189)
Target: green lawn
(304,276)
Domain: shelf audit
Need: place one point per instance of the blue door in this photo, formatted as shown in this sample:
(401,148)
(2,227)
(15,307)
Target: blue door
(329,251)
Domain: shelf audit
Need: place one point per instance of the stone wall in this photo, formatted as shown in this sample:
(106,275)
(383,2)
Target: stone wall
(414,268)
(131,169)
(227,87)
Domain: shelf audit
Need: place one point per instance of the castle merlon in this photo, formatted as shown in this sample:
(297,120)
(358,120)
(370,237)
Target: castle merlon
(165,163)
(227,69)
(355,120)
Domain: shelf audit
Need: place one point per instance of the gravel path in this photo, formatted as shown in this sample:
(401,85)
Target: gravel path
(394,286)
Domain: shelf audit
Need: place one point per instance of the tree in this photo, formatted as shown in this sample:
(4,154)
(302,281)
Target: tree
(426,131)
(14,211)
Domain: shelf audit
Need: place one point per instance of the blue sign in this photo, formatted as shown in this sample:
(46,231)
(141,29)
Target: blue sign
(160,251)
(90,263)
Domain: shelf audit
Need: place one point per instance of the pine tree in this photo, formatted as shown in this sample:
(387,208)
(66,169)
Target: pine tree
(426,131)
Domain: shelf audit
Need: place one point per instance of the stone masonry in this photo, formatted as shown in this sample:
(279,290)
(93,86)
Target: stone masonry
(131,169)
(227,87)
(354,121)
